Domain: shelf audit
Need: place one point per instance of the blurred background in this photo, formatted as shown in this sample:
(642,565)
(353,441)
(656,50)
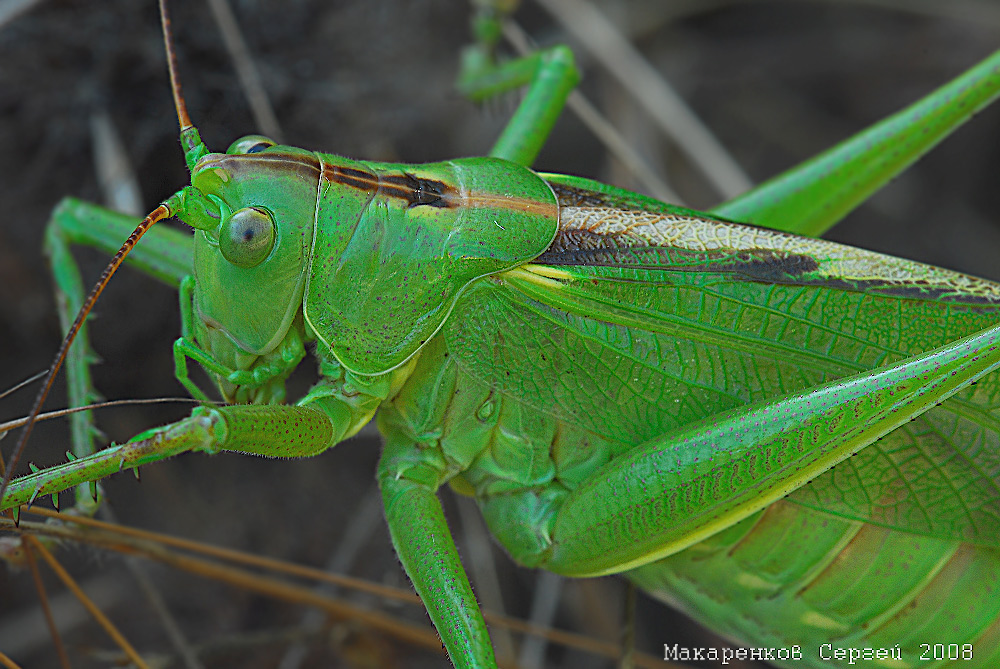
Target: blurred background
(86,111)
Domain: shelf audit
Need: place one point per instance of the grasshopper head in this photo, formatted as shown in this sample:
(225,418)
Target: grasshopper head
(253,209)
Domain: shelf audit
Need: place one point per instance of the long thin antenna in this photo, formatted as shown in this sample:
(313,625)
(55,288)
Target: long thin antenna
(193,150)
(175,85)
(157,214)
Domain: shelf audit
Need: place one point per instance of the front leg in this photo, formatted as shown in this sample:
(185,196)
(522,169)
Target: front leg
(278,431)
(165,254)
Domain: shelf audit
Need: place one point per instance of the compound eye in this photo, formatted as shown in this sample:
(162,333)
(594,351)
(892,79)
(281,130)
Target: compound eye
(247,238)
(250,144)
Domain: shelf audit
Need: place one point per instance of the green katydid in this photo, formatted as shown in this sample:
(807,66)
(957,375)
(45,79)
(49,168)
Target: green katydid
(534,283)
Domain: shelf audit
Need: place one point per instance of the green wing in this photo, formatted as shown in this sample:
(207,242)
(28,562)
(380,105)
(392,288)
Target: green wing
(642,317)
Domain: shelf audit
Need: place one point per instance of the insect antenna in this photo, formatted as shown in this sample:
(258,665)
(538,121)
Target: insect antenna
(194,149)
(157,214)
(175,85)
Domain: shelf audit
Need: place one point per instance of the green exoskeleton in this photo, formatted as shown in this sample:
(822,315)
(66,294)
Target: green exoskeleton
(622,385)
